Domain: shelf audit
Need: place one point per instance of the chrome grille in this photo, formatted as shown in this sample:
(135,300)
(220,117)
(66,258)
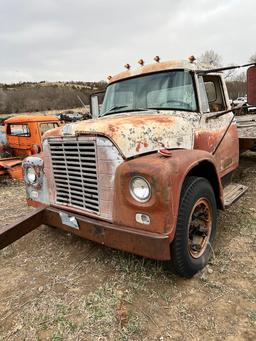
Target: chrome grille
(75,173)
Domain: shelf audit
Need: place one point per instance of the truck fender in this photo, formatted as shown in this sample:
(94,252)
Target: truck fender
(192,163)
(166,174)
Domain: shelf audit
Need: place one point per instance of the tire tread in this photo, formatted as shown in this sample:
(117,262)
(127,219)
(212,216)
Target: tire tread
(190,187)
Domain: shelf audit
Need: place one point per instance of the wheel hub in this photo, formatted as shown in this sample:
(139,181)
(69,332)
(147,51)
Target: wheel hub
(200,225)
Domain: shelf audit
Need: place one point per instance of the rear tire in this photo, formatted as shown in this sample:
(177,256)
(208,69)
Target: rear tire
(196,227)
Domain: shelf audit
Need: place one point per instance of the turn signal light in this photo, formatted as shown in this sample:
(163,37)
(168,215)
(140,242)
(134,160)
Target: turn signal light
(165,152)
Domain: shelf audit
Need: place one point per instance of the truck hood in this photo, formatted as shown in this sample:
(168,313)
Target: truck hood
(137,133)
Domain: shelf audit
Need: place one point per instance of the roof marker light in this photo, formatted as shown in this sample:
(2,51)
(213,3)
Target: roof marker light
(141,62)
(157,59)
(191,59)
(127,66)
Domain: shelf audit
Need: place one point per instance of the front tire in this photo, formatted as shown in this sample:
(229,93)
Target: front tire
(196,227)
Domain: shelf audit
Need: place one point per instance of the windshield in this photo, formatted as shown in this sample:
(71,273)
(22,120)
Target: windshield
(172,90)
(44,127)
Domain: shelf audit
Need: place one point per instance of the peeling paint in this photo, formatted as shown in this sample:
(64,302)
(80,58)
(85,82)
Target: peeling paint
(41,185)
(140,133)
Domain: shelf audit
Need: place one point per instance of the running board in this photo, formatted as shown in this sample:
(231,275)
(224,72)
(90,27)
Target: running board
(232,193)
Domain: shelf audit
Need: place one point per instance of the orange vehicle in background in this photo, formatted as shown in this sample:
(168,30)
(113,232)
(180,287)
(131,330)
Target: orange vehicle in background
(23,138)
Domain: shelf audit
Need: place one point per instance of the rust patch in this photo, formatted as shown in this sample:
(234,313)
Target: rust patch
(54,132)
(144,144)
(138,147)
(166,176)
(142,243)
(136,133)
(113,128)
(228,149)
(251,85)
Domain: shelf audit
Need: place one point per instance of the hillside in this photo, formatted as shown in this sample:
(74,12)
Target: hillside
(42,96)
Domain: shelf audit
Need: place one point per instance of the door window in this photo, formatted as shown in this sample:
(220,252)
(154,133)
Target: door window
(211,92)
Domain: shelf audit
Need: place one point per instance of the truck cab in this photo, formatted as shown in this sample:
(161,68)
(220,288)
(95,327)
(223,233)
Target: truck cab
(149,174)
(23,137)
(23,132)
(178,90)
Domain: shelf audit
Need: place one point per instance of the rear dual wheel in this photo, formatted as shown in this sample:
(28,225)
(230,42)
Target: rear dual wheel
(196,227)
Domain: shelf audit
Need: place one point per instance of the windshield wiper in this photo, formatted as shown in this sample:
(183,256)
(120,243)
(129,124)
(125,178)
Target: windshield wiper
(140,109)
(129,110)
(110,111)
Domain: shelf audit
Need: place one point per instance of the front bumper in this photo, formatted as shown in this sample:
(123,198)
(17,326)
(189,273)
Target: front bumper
(142,243)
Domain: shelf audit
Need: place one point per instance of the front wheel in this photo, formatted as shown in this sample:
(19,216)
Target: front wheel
(196,227)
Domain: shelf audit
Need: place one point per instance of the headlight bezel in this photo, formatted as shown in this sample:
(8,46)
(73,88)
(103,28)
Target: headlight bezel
(31,171)
(131,188)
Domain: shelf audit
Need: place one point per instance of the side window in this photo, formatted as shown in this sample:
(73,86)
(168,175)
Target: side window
(214,92)
(47,126)
(18,130)
(203,95)
(210,92)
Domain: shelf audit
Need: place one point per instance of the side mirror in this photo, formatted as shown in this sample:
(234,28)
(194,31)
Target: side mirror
(251,85)
(96,101)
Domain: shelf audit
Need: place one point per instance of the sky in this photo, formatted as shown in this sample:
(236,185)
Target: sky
(87,40)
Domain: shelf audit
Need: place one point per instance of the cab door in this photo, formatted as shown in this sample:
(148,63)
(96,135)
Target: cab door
(18,138)
(217,132)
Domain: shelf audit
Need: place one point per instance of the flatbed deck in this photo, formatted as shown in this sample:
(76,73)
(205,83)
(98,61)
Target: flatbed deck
(246,125)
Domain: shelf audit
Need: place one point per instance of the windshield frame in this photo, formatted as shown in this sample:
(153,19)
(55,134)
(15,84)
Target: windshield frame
(193,77)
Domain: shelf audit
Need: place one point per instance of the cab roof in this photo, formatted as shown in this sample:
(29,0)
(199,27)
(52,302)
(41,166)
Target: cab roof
(157,67)
(30,118)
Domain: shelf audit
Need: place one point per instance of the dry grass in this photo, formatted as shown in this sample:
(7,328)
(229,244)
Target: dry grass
(55,286)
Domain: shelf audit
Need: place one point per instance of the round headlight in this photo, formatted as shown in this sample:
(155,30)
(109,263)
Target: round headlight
(140,189)
(31,175)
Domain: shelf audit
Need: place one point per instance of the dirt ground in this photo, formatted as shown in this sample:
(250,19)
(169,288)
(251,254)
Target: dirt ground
(55,286)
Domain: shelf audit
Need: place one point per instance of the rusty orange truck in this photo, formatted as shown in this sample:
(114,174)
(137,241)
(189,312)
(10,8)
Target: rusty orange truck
(23,137)
(149,175)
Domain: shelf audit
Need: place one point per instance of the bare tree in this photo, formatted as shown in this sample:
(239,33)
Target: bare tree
(237,85)
(211,58)
(230,75)
(214,60)
(252,59)
(3,98)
